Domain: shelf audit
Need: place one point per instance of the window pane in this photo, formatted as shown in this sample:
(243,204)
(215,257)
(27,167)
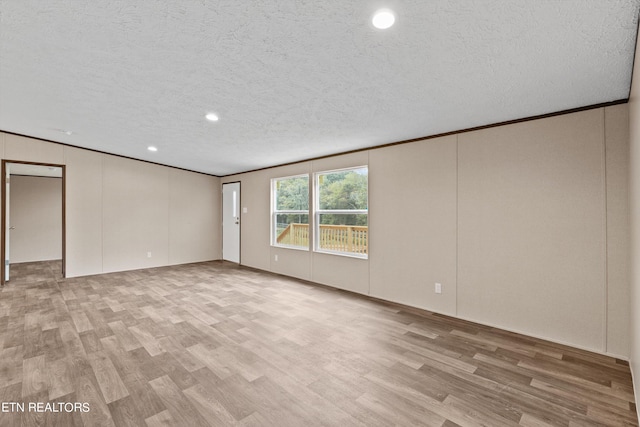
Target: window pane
(292,230)
(344,233)
(343,190)
(292,194)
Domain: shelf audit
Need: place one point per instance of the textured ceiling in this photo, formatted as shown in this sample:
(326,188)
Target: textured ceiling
(293,80)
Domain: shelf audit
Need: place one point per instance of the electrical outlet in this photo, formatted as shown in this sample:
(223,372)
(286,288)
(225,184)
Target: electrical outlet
(438,288)
(276,257)
(148,254)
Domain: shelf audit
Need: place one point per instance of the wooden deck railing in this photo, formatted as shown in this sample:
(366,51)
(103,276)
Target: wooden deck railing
(295,234)
(343,238)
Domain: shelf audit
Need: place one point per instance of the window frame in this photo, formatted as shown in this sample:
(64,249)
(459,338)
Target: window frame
(275,212)
(317,212)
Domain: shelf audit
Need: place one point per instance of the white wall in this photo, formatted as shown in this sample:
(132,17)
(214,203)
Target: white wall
(118,210)
(36,216)
(524,226)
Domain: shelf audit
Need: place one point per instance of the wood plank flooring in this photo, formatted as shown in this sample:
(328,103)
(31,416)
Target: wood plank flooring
(214,344)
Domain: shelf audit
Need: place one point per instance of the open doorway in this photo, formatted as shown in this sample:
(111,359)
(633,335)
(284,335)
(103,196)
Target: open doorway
(33,220)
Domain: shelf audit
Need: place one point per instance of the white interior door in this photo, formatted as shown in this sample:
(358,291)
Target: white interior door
(7,231)
(231,222)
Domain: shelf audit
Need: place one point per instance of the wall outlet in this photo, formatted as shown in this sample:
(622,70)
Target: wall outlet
(276,257)
(148,254)
(244,210)
(438,288)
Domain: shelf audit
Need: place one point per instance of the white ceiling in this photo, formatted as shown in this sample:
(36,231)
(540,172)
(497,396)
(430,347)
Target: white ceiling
(293,80)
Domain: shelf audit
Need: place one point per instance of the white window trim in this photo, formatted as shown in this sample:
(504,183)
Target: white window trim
(317,212)
(275,213)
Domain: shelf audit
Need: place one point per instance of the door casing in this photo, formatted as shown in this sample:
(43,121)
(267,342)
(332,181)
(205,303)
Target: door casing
(4,215)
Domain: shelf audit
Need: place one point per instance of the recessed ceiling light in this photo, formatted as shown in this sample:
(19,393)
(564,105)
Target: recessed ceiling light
(212,117)
(152,148)
(383,19)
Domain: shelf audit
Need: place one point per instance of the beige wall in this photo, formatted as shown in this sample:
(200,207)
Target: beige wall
(118,210)
(84,212)
(634,221)
(194,217)
(531,218)
(413,223)
(135,199)
(523,225)
(36,216)
(617,168)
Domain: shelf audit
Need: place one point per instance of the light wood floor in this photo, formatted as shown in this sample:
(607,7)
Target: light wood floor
(32,272)
(215,344)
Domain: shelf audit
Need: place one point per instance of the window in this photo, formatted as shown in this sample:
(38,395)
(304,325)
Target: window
(341,212)
(290,212)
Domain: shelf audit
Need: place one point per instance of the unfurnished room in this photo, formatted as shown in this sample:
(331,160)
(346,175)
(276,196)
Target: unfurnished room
(319,213)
